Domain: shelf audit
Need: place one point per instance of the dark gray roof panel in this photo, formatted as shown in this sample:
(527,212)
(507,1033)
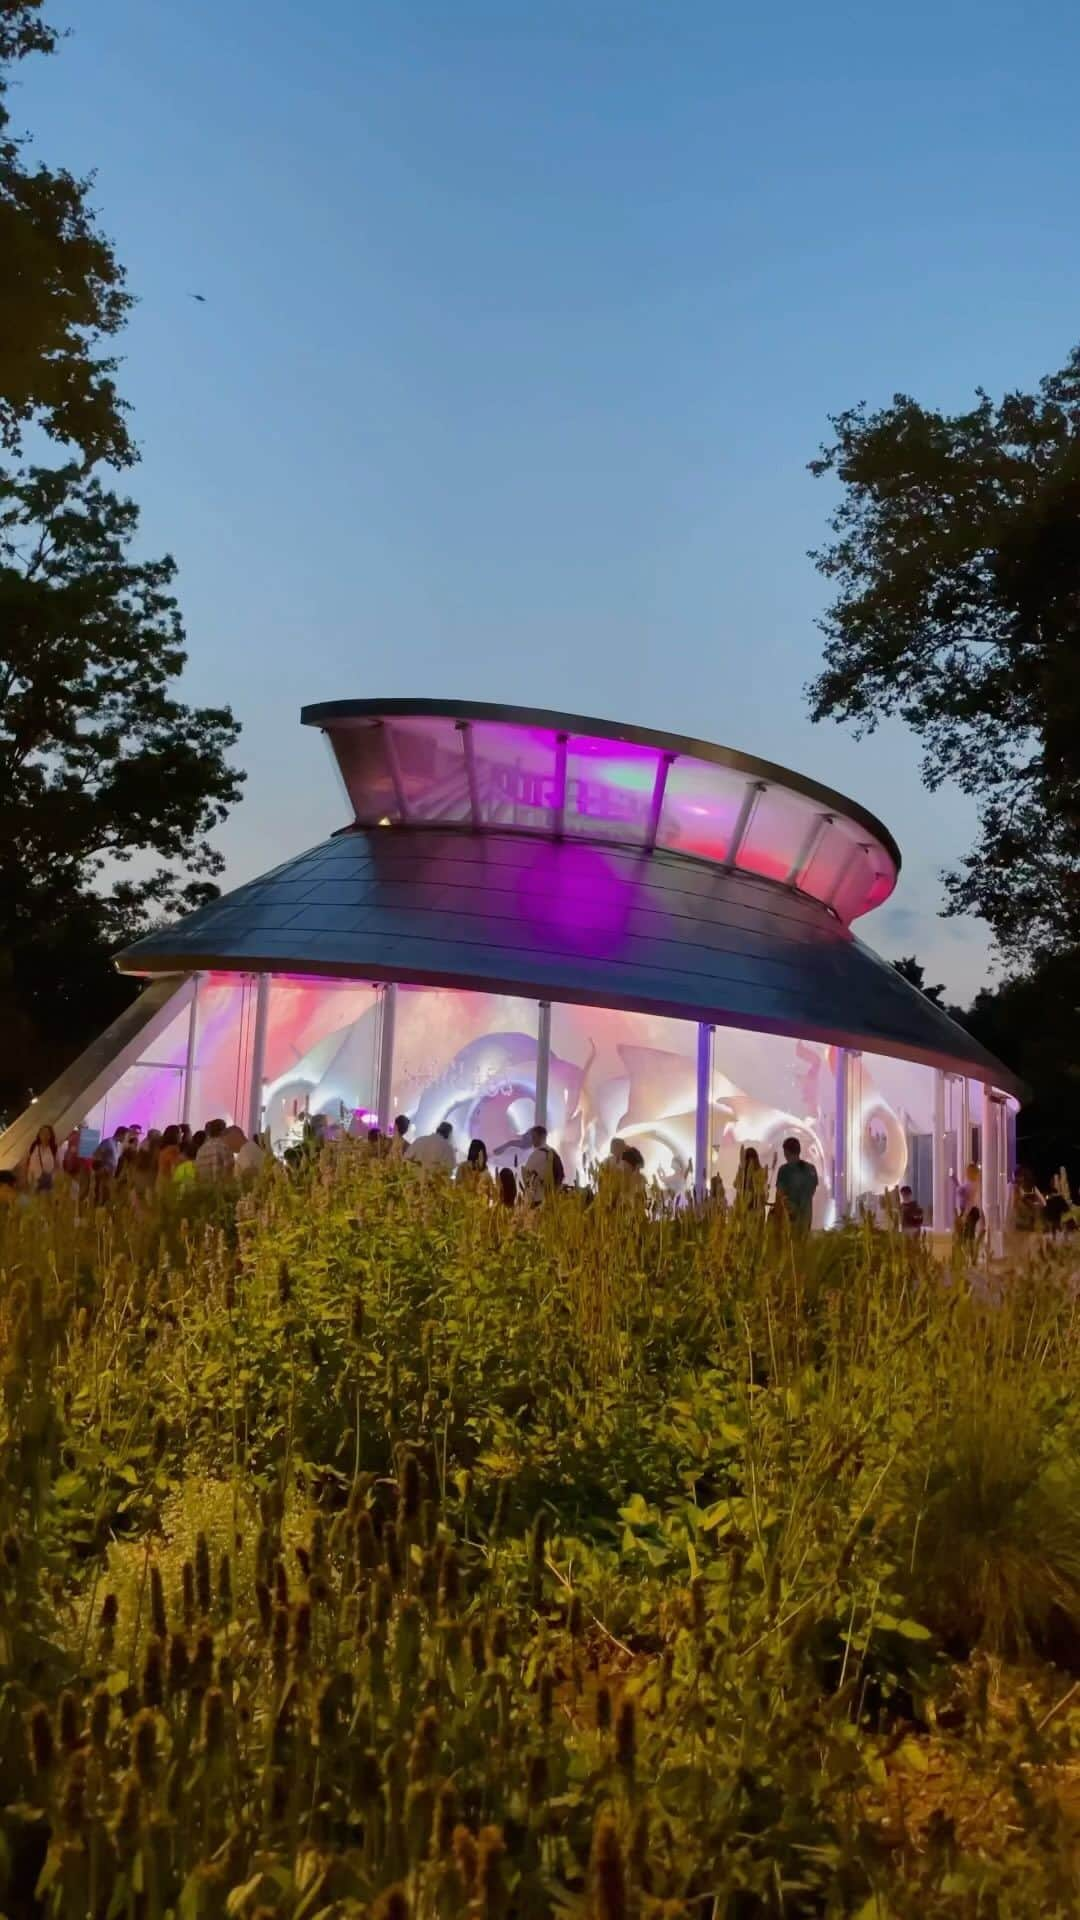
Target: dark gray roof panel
(655,932)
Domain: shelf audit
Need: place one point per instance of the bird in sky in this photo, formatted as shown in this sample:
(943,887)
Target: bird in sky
(200,297)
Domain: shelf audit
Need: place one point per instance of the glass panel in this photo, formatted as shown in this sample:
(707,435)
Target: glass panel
(609,788)
(321,1055)
(515,774)
(224,1032)
(431,762)
(701,806)
(893,1130)
(777,834)
(469,1058)
(150,1092)
(628,1074)
(361,755)
(766,1089)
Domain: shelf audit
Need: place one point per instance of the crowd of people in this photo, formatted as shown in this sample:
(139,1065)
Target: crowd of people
(129,1160)
(526,1170)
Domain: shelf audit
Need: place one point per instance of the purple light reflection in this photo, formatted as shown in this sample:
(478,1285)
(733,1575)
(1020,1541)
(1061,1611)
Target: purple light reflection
(576,900)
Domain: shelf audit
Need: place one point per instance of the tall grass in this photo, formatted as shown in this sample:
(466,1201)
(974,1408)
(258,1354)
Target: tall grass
(362,1543)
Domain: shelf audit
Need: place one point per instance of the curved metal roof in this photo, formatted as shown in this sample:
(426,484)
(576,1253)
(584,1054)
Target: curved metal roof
(606,925)
(477,766)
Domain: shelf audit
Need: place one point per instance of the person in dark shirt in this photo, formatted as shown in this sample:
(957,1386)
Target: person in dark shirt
(796,1185)
(911,1214)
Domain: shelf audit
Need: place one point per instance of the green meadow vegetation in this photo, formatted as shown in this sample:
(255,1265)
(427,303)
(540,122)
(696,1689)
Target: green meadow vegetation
(368,1547)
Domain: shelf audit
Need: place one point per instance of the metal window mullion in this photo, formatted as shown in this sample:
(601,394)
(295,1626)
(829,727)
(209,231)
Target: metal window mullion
(190,1051)
(559,819)
(750,800)
(543,1063)
(385,1088)
(258,1054)
(809,847)
(703,1111)
(656,805)
(940,1166)
(464,727)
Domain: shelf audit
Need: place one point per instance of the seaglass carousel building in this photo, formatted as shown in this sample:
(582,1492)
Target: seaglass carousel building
(530,915)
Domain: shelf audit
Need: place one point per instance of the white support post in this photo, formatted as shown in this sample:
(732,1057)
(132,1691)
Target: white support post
(385,1086)
(963,1149)
(543,1063)
(192,1046)
(993,1182)
(703,1113)
(840,1135)
(940,1211)
(258,1055)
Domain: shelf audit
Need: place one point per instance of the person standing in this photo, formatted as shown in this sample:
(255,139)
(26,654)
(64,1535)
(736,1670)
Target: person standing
(796,1185)
(543,1171)
(399,1139)
(214,1160)
(474,1170)
(750,1182)
(434,1151)
(42,1162)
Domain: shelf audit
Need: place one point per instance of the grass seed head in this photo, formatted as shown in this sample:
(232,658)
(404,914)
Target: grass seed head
(187,1595)
(410,1488)
(42,1744)
(153,1674)
(68,1721)
(607,1871)
(144,1748)
(467,1856)
(491,1882)
(100,1715)
(603,1709)
(213,1721)
(73,1804)
(179,1664)
(204,1589)
(446,1814)
(129,1815)
(158,1616)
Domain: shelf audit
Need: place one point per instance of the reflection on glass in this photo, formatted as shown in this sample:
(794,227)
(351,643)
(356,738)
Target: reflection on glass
(465,1058)
(766,1089)
(321,1046)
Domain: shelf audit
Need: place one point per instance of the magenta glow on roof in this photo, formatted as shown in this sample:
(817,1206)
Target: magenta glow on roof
(455,764)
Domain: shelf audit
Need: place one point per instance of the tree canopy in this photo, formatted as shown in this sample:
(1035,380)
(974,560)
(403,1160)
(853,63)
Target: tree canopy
(955,561)
(101,766)
(914,972)
(62,292)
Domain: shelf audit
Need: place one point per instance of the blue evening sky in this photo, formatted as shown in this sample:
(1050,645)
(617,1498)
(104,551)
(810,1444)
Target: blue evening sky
(521,323)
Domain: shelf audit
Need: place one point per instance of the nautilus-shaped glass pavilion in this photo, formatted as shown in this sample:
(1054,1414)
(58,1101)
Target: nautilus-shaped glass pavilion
(534,915)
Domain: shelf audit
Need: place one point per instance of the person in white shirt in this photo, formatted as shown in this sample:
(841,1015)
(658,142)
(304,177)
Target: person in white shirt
(434,1151)
(249,1155)
(542,1171)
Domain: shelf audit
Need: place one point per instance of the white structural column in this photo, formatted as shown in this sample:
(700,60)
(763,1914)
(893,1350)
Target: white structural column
(384,1087)
(543,1063)
(258,1054)
(192,1047)
(841,1128)
(941,1220)
(963,1145)
(703,1112)
(993,1170)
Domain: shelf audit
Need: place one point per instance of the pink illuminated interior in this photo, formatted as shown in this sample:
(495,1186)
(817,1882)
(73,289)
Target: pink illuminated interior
(415,769)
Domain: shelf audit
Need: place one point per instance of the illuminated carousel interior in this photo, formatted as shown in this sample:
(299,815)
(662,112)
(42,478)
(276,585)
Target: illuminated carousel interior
(472,1059)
